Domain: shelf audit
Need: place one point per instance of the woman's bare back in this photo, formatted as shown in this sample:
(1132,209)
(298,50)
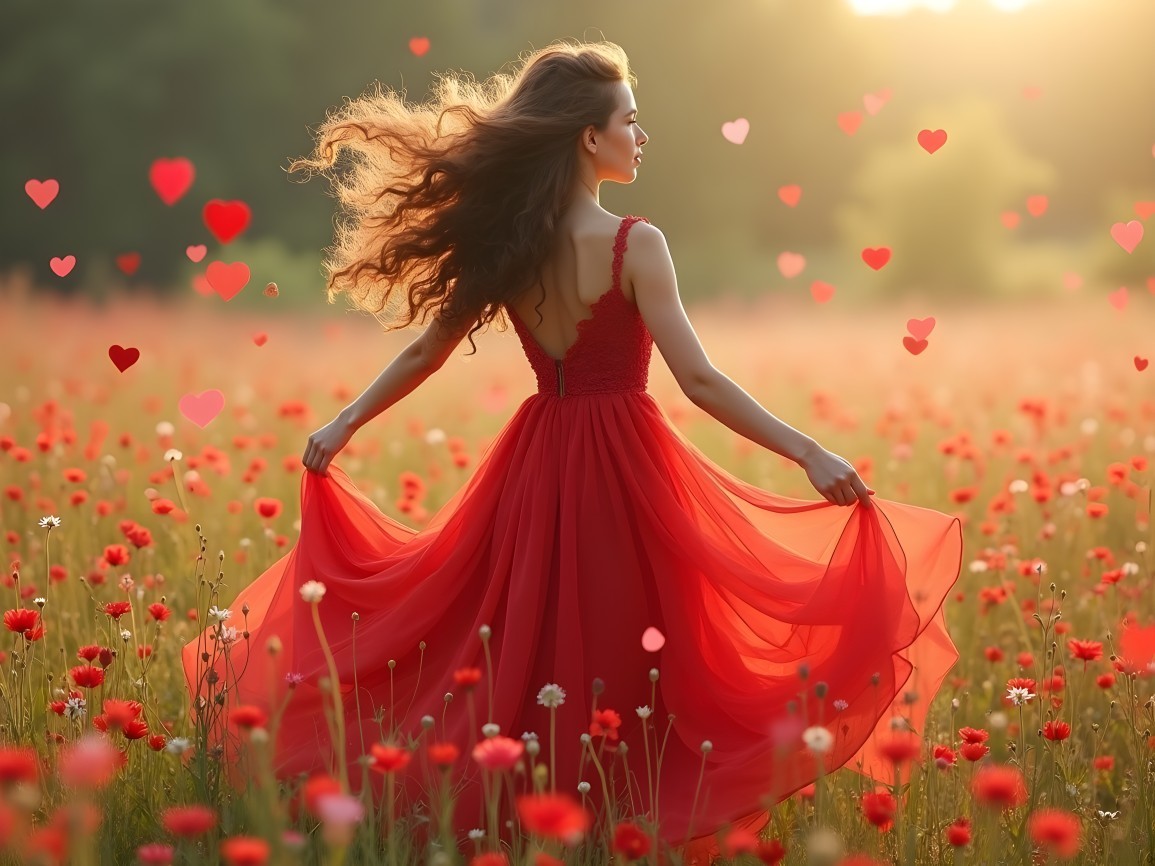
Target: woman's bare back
(576,275)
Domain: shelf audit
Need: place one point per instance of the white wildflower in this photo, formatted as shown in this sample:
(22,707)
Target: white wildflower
(435,436)
(476,834)
(551,695)
(220,614)
(51,521)
(177,745)
(173,454)
(818,739)
(1107,816)
(74,708)
(312,591)
(644,712)
(977,566)
(41,600)
(1019,485)
(125,635)
(583,787)
(164,428)
(228,635)
(1019,695)
(997,719)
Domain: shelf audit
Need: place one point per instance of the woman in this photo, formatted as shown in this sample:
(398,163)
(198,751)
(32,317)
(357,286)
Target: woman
(594,544)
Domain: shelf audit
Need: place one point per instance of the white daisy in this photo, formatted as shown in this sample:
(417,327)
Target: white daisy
(51,521)
(312,591)
(551,695)
(220,614)
(1019,695)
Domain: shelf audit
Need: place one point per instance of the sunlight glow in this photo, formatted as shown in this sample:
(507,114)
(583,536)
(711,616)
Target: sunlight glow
(901,7)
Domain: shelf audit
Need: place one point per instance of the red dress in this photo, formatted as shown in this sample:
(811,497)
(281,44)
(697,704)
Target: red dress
(589,520)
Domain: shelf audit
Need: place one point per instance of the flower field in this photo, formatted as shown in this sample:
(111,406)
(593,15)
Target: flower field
(128,528)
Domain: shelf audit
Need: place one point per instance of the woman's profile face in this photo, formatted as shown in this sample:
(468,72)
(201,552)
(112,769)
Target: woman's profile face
(619,144)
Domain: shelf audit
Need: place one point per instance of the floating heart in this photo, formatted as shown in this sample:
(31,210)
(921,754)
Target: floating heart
(226,219)
(920,328)
(419,45)
(653,640)
(1036,205)
(932,140)
(62,267)
(1151,285)
(1144,209)
(1118,298)
(735,131)
(203,407)
(1127,235)
(821,292)
(260,338)
(873,102)
(202,285)
(42,192)
(1140,364)
(876,257)
(1009,219)
(791,264)
(122,357)
(791,194)
(171,178)
(227,279)
(914,346)
(128,262)
(195,253)
(849,121)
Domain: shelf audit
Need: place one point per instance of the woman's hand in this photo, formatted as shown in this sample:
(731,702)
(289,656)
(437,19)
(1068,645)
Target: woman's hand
(835,478)
(324,444)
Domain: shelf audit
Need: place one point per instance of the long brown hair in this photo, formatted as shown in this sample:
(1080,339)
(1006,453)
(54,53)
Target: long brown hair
(493,166)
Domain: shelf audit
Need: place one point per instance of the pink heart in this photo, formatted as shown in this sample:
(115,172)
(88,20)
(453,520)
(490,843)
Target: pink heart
(790,195)
(227,279)
(1127,235)
(849,121)
(873,102)
(42,192)
(1009,219)
(932,140)
(1144,209)
(195,253)
(1118,298)
(920,328)
(821,292)
(1036,205)
(203,407)
(62,267)
(735,131)
(876,258)
(791,264)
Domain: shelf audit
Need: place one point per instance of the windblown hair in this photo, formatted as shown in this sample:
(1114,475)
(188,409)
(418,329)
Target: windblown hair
(456,201)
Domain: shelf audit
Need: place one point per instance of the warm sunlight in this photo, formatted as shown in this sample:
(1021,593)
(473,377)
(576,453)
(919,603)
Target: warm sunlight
(901,7)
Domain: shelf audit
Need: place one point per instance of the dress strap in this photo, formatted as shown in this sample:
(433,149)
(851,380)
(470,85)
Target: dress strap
(620,248)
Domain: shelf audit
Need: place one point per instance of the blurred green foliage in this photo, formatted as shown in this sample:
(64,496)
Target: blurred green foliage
(95,92)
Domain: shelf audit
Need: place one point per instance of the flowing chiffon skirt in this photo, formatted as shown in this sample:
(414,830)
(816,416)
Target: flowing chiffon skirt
(588,521)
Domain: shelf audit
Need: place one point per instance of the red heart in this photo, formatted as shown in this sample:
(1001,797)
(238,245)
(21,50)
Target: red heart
(822,292)
(128,262)
(227,279)
(1144,209)
(419,45)
(42,192)
(171,178)
(790,194)
(226,219)
(920,328)
(260,338)
(932,140)
(1140,364)
(914,346)
(123,358)
(876,257)
(1037,205)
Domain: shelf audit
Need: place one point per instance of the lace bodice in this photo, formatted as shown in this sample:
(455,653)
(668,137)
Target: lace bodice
(612,350)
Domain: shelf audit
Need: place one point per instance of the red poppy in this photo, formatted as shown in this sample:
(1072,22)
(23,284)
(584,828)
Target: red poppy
(554,816)
(1055,730)
(245,851)
(879,807)
(630,841)
(188,821)
(1057,830)
(388,758)
(999,786)
(958,832)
